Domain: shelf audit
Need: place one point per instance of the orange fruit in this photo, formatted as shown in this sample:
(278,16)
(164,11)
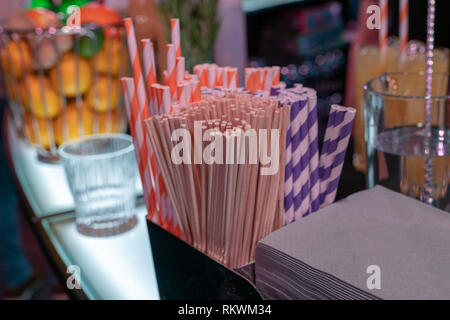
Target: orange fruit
(12,94)
(108,122)
(111,58)
(104,95)
(42,126)
(70,120)
(30,90)
(68,75)
(99,14)
(16,58)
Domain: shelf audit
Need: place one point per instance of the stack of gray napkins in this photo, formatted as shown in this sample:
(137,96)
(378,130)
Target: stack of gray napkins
(375,244)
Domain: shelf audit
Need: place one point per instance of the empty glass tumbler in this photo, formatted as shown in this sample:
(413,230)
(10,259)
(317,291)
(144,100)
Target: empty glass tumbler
(101,172)
(398,143)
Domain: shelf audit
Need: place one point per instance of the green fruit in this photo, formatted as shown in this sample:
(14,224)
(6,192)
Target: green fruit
(46,4)
(87,47)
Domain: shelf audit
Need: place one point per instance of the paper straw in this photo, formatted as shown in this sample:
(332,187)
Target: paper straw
(212,77)
(183,94)
(329,147)
(232,78)
(196,93)
(313,139)
(203,76)
(268,79)
(339,157)
(180,65)
(288,181)
(260,84)
(148,56)
(132,108)
(300,158)
(276,75)
(143,108)
(165,99)
(247,74)
(219,76)
(165,78)
(275,90)
(175,33)
(403,29)
(383,34)
(171,70)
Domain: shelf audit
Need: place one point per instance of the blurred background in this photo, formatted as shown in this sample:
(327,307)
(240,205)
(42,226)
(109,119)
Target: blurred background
(313,41)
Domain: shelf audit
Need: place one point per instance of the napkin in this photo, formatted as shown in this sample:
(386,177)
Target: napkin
(375,244)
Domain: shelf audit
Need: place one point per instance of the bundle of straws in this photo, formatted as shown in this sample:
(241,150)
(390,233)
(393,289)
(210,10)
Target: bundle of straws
(144,97)
(224,167)
(311,181)
(223,200)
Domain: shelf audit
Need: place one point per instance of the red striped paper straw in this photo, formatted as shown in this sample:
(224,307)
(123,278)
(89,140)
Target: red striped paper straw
(196,92)
(188,90)
(165,78)
(276,75)
(219,77)
(204,76)
(180,69)
(232,78)
(148,55)
(212,77)
(166,103)
(128,109)
(175,33)
(260,85)
(143,111)
(383,34)
(403,29)
(136,67)
(249,81)
(182,97)
(171,71)
(247,78)
(155,88)
(268,79)
(132,109)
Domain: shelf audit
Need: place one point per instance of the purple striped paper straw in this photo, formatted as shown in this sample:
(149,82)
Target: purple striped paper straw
(329,146)
(313,138)
(300,157)
(339,157)
(275,90)
(288,182)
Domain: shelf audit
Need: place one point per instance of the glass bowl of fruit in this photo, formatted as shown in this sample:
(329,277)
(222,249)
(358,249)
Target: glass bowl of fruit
(61,74)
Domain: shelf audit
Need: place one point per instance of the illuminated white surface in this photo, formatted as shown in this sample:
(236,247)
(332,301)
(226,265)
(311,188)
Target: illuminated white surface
(118,267)
(44,184)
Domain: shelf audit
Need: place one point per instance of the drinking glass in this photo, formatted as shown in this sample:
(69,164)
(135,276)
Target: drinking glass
(397,139)
(368,57)
(101,171)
